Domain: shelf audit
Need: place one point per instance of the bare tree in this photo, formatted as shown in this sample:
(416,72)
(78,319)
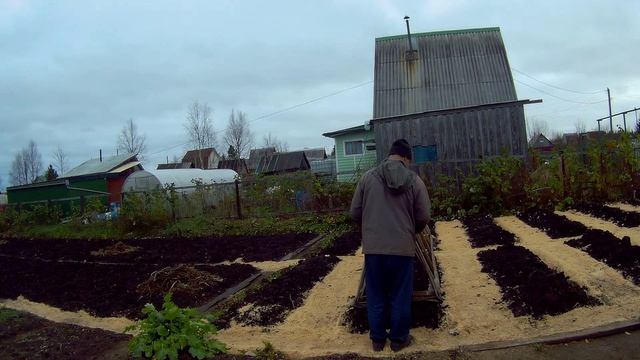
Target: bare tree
(130,141)
(536,127)
(199,127)
(238,135)
(60,160)
(580,127)
(272,141)
(27,165)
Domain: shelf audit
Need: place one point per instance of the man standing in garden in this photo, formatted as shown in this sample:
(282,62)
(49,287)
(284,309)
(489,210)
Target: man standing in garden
(392,205)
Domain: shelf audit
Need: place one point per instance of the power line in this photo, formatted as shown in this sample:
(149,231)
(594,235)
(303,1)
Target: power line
(276,112)
(556,96)
(557,87)
(311,101)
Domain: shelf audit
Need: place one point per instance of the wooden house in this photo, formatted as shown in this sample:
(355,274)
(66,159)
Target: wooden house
(355,151)
(451,94)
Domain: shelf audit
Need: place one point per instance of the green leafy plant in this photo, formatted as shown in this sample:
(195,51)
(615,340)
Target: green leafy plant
(164,334)
(7,314)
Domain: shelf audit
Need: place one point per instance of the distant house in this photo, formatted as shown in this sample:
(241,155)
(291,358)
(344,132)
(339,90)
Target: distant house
(238,165)
(284,162)
(541,144)
(451,95)
(202,159)
(180,165)
(96,178)
(256,154)
(315,154)
(355,151)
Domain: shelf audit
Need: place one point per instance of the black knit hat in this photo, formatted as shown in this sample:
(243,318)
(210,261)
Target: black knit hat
(401,147)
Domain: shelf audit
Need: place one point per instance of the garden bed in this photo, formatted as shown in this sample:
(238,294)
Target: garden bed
(24,336)
(552,224)
(483,232)
(618,216)
(344,245)
(166,251)
(529,286)
(617,253)
(271,301)
(111,290)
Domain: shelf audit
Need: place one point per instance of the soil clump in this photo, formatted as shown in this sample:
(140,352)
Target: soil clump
(483,232)
(529,286)
(552,224)
(617,253)
(118,248)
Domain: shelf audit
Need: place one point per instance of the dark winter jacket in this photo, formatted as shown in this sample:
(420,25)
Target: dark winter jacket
(392,204)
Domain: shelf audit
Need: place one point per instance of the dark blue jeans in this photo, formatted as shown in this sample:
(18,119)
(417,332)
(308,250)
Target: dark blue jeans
(389,286)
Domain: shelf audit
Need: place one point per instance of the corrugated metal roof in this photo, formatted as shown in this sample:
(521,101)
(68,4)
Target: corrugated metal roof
(180,165)
(350,130)
(283,162)
(256,154)
(95,166)
(453,69)
(237,165)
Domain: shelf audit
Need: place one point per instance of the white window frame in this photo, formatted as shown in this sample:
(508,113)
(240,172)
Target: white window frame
(344,147)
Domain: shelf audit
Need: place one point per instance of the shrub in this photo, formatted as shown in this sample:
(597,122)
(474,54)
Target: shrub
(164,334)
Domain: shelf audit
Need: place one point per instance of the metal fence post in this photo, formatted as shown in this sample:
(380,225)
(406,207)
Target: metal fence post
(238,208)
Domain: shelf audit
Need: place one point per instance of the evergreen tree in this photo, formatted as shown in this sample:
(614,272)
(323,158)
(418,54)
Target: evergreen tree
(51,173)
(232,153)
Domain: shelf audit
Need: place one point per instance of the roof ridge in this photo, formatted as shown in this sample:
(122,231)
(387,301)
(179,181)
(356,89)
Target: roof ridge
(441,32)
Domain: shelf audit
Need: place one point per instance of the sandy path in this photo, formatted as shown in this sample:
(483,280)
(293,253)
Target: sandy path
(314,328)
(81,318)
(625,207)
(473,299)
(597,223)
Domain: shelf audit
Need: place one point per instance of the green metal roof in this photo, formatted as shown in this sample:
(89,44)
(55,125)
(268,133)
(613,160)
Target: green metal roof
(95,166)
(350,130)
(435,33)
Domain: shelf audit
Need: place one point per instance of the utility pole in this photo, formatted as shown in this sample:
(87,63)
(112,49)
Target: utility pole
(610,117)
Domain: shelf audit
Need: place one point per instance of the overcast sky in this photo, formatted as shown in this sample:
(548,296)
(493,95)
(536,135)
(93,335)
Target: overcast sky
(73,72)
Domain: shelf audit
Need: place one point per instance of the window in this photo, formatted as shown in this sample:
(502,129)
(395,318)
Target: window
(424,154)
(353,147)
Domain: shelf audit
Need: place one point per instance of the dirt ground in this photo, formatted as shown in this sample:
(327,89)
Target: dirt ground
(475,311)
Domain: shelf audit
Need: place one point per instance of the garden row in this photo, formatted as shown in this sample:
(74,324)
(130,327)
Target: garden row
(117,279)
(528,285)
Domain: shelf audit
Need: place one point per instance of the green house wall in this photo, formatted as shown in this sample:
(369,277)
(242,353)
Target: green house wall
(58,193)
(350,167)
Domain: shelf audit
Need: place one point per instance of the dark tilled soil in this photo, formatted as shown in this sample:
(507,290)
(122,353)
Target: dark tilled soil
(615,215)
(552,224)
(103,290)
(275,298)
(164,251)
(30,337)
(617,253)
(529,286)
(346,244)
(483,231)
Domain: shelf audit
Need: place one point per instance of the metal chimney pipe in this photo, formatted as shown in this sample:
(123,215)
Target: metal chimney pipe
(100,155)
(406,19)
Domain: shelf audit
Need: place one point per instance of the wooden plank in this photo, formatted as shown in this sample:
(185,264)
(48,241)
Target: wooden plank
(560,338)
